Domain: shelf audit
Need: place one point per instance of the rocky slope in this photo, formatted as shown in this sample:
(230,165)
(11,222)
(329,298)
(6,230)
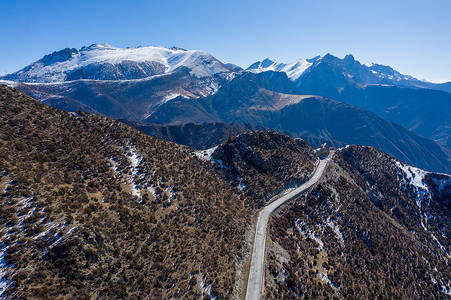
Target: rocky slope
(133,100)
(373,227)
(91,207)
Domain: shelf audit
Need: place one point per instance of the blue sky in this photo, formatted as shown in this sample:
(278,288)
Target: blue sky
(412,36)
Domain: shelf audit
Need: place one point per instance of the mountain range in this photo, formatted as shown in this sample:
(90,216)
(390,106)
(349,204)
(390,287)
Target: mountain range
(172,87)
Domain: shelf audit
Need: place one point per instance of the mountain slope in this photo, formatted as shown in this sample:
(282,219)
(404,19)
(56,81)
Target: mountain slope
(122,99)
(254,99)
(91,207)
(422,111)
(105,62)
(262,163)
(372,228)
(196,135)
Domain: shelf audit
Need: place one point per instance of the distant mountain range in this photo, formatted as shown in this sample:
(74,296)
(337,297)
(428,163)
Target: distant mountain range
(174,86)
(346,70)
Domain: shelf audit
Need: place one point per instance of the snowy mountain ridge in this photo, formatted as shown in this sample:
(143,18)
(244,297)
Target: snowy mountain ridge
(370,73)
(293,70)
(388,72)
(106,62)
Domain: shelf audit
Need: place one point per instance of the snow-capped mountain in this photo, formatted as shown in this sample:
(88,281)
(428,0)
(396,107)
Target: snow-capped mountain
(294,70)
(348,68)
(105,62)
(387,72)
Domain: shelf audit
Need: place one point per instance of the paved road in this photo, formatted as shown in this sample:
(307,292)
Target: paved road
(255,281)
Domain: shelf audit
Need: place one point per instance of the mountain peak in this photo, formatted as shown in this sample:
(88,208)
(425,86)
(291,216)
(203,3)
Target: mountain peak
(267,62)
(97,47)
(349,58)
(177,48)
(58,56)
(329,56)
(313,59)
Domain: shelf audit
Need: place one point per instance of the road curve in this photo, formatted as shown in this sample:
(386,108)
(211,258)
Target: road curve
(255,281)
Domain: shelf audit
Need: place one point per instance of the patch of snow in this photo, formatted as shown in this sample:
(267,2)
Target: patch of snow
(59,240)
(9,83)
(414,177)
(135,191)
(25,203)
(151,189)
(204,286)
(242,186)
(49,228)
(288,190)
(134,160)
(307,232)
(170,193)
(169,98)
(446,290)
(325,278)
(336,229)
(4,283)
(205,154)
(439,244)
(342,148)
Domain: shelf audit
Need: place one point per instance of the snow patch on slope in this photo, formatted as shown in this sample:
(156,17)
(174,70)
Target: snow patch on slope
(4,283)
(386,72)
(134,160)
(307,232)
(205,154)
(5,181)
(336,229)
(414,176)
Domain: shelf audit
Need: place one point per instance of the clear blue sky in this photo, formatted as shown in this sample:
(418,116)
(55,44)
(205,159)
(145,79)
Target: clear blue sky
(412,36)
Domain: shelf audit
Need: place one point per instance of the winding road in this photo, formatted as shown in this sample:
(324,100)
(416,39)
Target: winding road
(256,272)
